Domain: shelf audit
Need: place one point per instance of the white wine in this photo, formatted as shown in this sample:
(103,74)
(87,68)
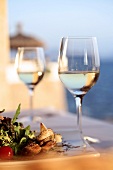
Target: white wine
(78,82)
(31,78)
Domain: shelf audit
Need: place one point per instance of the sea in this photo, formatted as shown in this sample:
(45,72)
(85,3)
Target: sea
(98,102)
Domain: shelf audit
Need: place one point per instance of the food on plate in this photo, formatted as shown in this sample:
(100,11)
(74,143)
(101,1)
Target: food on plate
(15,139)
(6,152)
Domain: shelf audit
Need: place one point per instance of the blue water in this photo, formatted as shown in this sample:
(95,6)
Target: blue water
(98,102)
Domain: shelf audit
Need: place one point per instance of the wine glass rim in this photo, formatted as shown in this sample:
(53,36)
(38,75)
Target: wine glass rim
(79,37)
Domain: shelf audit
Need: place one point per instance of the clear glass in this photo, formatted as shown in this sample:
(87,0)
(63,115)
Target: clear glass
(30,67)
(78,68)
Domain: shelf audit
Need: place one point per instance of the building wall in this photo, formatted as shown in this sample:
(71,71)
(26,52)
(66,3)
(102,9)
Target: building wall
(49,92)
(4,36)
(4,55)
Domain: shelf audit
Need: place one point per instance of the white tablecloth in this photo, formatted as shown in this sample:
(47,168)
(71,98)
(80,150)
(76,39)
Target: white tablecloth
(61,120)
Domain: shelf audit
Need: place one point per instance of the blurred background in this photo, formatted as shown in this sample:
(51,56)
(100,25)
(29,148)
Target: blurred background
(43,23)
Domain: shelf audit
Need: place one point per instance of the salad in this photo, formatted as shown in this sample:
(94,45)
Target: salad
(15,139)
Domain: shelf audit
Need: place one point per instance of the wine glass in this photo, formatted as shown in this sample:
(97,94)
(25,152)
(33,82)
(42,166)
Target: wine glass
(30,67)
(78,69)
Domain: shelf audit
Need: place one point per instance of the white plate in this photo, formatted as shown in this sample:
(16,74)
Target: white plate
(52,159)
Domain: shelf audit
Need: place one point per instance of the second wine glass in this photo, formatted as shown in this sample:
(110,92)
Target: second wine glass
(78,68)
(30,66)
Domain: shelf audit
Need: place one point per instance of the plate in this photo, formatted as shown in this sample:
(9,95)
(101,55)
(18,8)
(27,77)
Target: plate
(71,150)
(64,156)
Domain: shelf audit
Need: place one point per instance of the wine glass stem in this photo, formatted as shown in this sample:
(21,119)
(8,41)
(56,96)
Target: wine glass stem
(31,102)
(78,101)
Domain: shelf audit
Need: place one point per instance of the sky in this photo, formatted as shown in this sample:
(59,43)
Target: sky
(50,20)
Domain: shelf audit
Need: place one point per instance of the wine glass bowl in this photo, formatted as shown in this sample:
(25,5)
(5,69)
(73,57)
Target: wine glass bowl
(78,68)
(30,67)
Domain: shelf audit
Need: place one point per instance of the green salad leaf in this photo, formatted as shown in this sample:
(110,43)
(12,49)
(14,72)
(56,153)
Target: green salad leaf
(14,134)
(1,111)
(16,114)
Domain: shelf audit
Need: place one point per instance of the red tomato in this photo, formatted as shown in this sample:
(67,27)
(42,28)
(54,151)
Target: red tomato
(6,152)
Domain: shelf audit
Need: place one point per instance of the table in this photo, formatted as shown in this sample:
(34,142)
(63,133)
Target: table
(58,120)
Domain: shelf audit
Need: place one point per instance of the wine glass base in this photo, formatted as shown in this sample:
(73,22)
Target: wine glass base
(74,137)
(76,145)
